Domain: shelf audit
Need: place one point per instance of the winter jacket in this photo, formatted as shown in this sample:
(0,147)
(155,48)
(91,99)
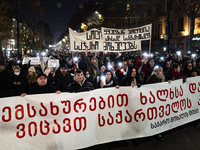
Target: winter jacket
(77,87)
(127,81)
(17,90)
(93,68)
(63,82)
(4,77)
(112,83)
(147,72)
(41,89)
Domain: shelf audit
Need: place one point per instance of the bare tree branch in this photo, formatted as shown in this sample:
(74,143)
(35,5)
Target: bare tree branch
(182,8)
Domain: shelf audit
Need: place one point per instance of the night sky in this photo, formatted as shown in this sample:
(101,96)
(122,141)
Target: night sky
(57,13)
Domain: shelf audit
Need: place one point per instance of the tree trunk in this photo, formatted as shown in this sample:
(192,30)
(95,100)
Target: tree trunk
(192,23)
(1,52)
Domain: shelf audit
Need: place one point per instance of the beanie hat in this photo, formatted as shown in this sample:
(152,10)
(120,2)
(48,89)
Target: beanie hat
(32,68)
(41,74)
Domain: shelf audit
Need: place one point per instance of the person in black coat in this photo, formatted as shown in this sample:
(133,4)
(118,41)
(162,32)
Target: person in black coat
(132,79)
(41,86)
(64,78)
(79,84)
(107,81)
(4,77)
(17,83)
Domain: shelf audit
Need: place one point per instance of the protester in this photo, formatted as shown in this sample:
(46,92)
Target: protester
(92,66)
(174,72)
(188,68)
(64,78)
(97,79)
(157,76)
(17,83)
(108,81)
(4,77)
(122,72)
(80,83)
(31,77)
(132,79)
(52,77)
(147,68)
(41,87)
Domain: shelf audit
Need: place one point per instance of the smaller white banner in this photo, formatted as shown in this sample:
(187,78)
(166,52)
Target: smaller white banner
(25,60)
(53,63)
(35,61)
(45,59)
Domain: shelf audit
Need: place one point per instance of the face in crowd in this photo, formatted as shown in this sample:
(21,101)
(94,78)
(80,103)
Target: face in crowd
(178,69)
(151,63)
(2,67)
(133,73)
(124,65)
(108,76)
(30,73)
(87,74)
(160,72)
(189,66)
(17,72)
(168,64)
(63,71)
(93,59)
(42,81)
(79,77)
(103,68)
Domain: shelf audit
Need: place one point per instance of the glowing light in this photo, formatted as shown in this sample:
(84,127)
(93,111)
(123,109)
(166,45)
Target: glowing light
(109,66)
(156,67)
(178,52)
(43,53)
(193,55)
(120,64)
(75,59)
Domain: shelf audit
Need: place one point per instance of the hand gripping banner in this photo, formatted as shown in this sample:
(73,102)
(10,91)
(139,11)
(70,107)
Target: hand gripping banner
(78,120)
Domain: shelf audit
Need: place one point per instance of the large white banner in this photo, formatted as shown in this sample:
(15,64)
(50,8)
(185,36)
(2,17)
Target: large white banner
(78,120)
(91,38)
(125,39)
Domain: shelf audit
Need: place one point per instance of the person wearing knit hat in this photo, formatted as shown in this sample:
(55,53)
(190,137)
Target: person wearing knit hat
(32,69)
(31,77)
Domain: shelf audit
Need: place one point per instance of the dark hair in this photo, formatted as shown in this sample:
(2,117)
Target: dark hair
(106,71)
(78,71)
(174,65)
(186,65)
(148,65)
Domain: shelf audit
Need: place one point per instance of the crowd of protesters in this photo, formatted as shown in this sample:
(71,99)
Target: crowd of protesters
(91,71)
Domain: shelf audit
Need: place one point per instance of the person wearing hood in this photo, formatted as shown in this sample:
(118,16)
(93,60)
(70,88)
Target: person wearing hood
(79,84)
(17,83)
(92,66)
(64,78)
